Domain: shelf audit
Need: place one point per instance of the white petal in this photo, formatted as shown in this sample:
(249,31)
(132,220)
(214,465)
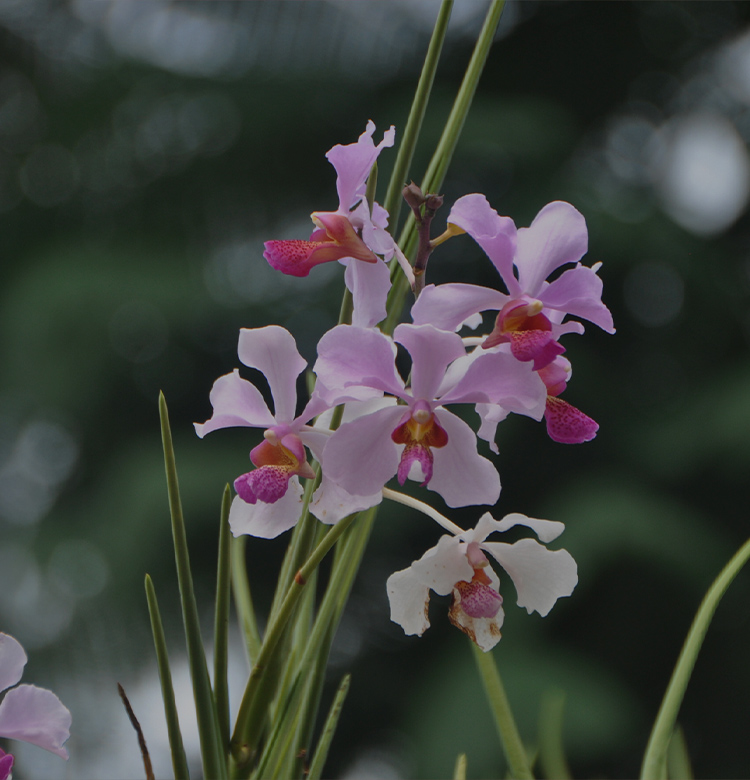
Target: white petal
(546,530)
(331,503)
(409,600)
(541,576)
(442,566)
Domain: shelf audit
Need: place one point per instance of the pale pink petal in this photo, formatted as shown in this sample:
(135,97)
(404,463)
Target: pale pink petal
(540,576)
(490,415)
(460,474)
(498,378)
(273,351)
(578,291)
(236,403)
(443,565)
(267,521)
(12,660)
(37,716)
(357,356)
(449,306)
(557,236)
(409,600)
(361,456)
(432,351)
(495,234)
(546,530)
(354,161)
(331,503)
(369,284)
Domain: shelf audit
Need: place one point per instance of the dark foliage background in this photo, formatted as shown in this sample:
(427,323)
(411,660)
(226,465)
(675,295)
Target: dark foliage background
(146,152)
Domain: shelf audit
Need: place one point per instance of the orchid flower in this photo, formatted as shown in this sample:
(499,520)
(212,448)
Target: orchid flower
(458,565)
(417,438)
(530,317)
(269,498)
(355,233)
(28,713)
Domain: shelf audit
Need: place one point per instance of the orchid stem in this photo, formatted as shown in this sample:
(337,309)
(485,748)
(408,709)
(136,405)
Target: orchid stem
(425,509)
(510,738)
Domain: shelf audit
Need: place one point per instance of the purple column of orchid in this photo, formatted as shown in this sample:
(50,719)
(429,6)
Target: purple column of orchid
(28,713)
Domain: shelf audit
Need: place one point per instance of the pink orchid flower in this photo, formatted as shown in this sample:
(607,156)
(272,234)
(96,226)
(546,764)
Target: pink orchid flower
(530,317)
(417,438)
(269,498)
(458,565)
(28,713)
(354,234)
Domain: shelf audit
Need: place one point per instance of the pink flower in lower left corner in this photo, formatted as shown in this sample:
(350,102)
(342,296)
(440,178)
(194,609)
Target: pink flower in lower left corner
(27,713)
(458,565)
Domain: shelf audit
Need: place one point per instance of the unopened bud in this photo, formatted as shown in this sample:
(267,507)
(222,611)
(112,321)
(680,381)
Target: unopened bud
(413,196)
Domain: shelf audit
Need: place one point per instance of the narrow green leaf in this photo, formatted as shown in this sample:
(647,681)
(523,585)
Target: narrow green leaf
(507,730)
(245,733)
(678,758)
(654,760)
(551,750)
(329,729)
(438,167)
(243,601)
(176,746)
(408,141)
(221,621)
(459,771)
(214,762)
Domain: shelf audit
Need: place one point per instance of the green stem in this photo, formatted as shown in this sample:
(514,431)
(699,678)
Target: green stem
(500,706)
(656,752)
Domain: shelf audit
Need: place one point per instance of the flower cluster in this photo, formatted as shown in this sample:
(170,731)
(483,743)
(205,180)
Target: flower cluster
(392,427)
(28,713)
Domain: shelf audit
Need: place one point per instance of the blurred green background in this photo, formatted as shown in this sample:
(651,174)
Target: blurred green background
(148,149)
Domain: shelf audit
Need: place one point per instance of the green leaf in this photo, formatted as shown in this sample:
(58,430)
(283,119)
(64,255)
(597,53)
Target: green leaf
(243,601)
(408,141)
(654,760)
(176,746)
(221,620)
(438,167)
(329,729)
(678,758)
(214,762)
(551,751)
(459,771)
